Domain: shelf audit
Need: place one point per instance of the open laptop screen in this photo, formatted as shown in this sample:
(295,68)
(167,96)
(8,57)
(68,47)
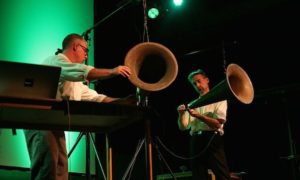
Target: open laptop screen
(28,81)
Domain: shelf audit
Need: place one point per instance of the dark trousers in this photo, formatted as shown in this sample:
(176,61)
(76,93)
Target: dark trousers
(212,156)
(48,154)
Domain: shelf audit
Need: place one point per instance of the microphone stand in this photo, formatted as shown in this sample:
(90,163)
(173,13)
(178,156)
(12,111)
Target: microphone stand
(86,33)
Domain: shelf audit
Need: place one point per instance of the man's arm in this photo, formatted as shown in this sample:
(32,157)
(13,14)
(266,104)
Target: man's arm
(97,73)
(183,117)
(108,99)
(212,122)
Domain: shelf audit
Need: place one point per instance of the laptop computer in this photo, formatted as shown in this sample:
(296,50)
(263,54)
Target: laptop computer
(28,81)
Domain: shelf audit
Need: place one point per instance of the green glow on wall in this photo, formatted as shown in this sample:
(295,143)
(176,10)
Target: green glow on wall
(32,30)
(13,148)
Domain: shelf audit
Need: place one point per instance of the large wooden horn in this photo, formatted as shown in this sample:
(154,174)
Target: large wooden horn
(153,66)
(236,85)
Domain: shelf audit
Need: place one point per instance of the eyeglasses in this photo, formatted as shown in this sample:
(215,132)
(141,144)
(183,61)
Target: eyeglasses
(85,49)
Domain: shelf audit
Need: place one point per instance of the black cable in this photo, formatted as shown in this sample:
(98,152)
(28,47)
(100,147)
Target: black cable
(186,158)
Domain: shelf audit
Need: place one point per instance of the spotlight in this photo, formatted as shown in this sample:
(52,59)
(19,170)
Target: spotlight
(177,2)
(153,13)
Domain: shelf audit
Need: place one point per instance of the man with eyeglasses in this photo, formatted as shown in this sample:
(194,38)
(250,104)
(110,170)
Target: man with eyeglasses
(47,149)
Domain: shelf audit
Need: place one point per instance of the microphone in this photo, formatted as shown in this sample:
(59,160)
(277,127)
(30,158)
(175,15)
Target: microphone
(58,51)
(85,35)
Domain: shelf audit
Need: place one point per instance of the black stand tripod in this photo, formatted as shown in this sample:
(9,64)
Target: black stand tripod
(292,157)
(159,155)
(89,138)
(143,101)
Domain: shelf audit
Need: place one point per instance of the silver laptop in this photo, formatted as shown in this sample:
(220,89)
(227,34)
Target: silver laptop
(28,81)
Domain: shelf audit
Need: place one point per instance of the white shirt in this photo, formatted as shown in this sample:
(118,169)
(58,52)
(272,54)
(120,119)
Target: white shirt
(71,80)
(215,110)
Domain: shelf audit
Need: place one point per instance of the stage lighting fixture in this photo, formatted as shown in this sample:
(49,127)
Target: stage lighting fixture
(177,2)
(153,13)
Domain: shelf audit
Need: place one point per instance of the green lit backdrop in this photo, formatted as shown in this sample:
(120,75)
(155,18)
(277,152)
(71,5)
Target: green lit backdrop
(31,30)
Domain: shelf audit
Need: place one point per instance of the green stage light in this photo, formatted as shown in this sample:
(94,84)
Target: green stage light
(153,13)
(177,2)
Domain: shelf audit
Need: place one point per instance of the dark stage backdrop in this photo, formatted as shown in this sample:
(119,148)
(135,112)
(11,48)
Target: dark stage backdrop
(261,37)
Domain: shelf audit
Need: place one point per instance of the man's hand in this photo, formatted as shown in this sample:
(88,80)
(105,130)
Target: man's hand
(181,108)
(121,70)
(194,113)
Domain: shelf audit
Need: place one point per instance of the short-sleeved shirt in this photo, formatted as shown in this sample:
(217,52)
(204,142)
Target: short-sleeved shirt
(71,84)
(216,110)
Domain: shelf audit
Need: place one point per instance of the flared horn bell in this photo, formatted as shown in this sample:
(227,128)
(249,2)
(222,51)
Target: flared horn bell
(149,51)
(237,84)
